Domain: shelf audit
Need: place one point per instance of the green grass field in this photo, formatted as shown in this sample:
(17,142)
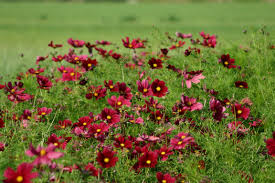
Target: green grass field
(27,27)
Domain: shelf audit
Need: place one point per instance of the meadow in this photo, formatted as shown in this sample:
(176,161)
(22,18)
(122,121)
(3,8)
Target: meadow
(193,106)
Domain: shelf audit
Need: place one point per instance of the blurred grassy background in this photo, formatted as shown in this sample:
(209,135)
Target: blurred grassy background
(28,27)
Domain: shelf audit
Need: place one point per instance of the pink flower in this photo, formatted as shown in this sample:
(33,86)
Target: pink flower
(189,79)
(183,36)
(43,155)
(44,111)
(237,125)
(181,140)
(165,178)
(76,43)
(190,104)
(136,43)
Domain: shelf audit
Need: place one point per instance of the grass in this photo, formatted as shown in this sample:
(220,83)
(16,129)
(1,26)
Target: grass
(226,158)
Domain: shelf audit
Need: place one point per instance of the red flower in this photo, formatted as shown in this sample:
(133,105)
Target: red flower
(118,102)
(59,58)
(44,82)
(110,85)
(76,43)
(190,104)
(155,63)
(54,45)
(103,42)
(114,55)
(177,45)
(183,36)
(92,170)
(43,155)
(237,125)
(122,142)
(63,124)
(110,115)
(217,108)
(190,78)
(2,123)
(148,159)
(36,72)
(44,111)
(270,145)
(84,121)
(23,174)
(40,58)
(239,111)
(106,158)
(98,129)
(124,91)
(136,43)
(209,41)
(165,178)
(158,88)
(144,87)
(69,74)
(227,61)
(181,140)
(89,64)
(156,116)
(164,152)
(241,84)
(97,92)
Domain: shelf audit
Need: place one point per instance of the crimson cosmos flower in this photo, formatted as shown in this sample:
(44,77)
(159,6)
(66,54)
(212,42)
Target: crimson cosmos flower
(240,111)
(118,102)
(91,169)
(144,87)
(76,43)
(110,115)
(96,92)
(44,111)
(181,140)
(217,108)
(136,43)
(270,145)
(23,174)
(148,159)
(106,158)
(44,82)
(158,88)
(190,104)
(58,58)
(122,142)
(241,84)
(177,45)
(227,61)
(155,63)
(36,72)
(164,152)
(51,44)
(165,178)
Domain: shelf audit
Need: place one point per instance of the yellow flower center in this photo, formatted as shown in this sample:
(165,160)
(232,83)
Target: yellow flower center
(163,181)
(72,74)
(189,103)
(95,94)
(155,65)
(29,117)
(84,124)
(158,88)
(239,111)
(19,178)
(130,45)
(98,130)
(106,160)
(89,65)
(227,103)
(145,90)
(122,145)
(163,153)
(225,63)
(162,58)
(119,103)
(43,113)
(63,126)
(158,118)
(111,86)
(13,90)
(180,142)
(42,152)
(76,58)
(64,71)
(56,144)
(182,137)
(241,86)
(148,162)
(177,45)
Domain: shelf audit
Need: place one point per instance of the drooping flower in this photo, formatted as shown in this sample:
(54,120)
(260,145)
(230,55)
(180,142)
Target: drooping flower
(23,174)
(148,159)
(51,44)
(102,42)
(92,170)
(107,158)
(76,43)
(155,63)
(241,84)
(270,145)
(240,111)
(227,61)
(165,178)
(217,108)
(118,102)
(40,58)
(158,88)
(192,77)
(44,82)
(36,72)
(44,155)
(183,36)
(181,141)
(144,87)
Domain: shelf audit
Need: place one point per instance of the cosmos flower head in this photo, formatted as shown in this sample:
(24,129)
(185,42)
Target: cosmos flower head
(106,158)
(155,63)
(165,178)
(270,145)
(159,88)
(241,84)
(76,43)
(227,61)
